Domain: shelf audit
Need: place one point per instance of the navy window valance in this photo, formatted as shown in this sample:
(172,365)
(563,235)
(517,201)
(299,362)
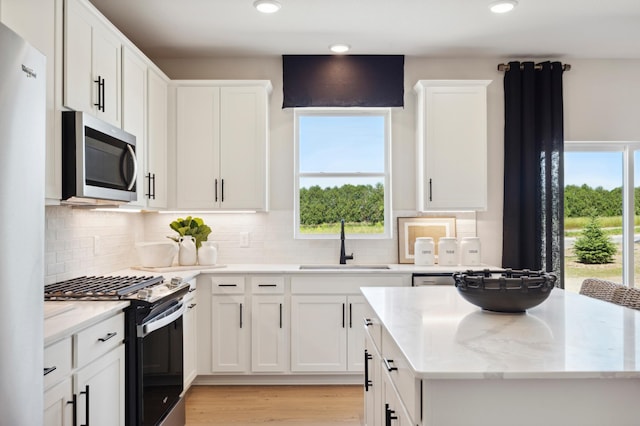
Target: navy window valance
(343,80)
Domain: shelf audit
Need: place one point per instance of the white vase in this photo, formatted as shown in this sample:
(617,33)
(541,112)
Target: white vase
(207,253)
(187,252)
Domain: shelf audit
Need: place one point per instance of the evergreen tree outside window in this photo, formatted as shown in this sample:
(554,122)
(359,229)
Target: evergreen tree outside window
(342,171)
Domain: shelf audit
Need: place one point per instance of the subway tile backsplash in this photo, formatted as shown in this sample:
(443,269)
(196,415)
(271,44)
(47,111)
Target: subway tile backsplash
(88,242)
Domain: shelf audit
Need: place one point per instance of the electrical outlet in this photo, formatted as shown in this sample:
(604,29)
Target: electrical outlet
(244,239)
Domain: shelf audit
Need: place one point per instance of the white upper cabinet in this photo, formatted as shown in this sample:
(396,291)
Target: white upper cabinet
(222,145)
(92,68)
(156,177)
(451,144)
(134,108)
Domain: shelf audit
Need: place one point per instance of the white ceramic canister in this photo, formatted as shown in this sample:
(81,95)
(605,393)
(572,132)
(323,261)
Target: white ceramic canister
(187,251)
(470,251)
(447,251)
(423,251)
(207,253)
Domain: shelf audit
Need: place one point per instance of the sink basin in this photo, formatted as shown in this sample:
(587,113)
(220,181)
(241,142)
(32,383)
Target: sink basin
(341,267)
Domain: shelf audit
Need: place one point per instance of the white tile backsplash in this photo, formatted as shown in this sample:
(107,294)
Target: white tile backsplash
(88,242)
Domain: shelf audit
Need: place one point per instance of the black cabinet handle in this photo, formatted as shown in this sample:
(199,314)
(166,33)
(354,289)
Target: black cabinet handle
(241,315)
(49,370)
(343,313)
(388,365)
(86,404)
(367,383)
(100,104)
(153,180)
(350,315)
(430,190)
(107,337)
(191,290)
(74,402)
(267,285)
(148,178)
(281,315)
(215,189)
(367,322)
(222,190)
(389,415)
(226,285)
(191,306)
(103,97)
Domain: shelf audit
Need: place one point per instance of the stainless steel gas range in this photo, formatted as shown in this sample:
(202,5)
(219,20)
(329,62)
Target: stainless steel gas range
(153,340)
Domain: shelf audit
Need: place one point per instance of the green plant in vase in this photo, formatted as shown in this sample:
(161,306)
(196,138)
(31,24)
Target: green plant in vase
(193,226)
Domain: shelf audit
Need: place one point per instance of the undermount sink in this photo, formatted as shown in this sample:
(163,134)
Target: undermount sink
(339,267)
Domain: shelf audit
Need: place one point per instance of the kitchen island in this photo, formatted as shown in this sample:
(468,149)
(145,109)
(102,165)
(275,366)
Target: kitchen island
(442,361)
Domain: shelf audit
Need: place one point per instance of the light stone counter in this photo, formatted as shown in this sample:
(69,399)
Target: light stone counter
(568,335)
(571,361)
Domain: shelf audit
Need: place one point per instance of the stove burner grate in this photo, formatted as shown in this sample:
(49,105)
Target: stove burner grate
(100,287)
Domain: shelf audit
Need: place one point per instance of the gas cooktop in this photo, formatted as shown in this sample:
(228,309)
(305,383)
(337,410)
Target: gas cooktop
(103,288)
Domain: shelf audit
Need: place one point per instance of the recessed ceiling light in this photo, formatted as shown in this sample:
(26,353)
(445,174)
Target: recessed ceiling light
(502,6)
(339,48)
(267,6)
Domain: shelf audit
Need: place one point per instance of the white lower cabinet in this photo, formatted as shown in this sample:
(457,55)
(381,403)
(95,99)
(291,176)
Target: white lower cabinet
(189,337)
(88,385)
(318,333)
(394,412)
(99,387)
(269,325)
(58,404)
(230,325)
(372,384)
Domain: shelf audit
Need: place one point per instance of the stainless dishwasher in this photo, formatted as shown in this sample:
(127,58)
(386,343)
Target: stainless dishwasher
(432,278)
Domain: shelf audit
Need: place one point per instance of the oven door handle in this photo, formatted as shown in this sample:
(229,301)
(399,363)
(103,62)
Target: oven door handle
(156,324)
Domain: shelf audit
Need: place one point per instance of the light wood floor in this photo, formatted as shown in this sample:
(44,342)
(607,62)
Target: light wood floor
(276,405)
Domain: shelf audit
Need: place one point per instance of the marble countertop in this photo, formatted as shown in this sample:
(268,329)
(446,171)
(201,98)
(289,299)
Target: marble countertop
(568,336)
(393,268)
(65,318)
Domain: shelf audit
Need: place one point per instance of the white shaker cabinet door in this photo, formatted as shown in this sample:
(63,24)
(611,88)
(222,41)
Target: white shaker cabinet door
(452,145)
(318,333)
(356,313)
(58,409)
(157,178)
(230,326)
(269,349)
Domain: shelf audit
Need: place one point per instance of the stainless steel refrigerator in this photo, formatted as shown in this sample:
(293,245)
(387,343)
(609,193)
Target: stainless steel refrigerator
(22,163)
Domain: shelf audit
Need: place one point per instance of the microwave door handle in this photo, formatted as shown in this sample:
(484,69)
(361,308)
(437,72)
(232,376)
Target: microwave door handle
(135,168)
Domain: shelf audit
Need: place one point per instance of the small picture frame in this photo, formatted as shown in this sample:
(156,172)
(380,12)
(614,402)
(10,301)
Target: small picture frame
(410,228)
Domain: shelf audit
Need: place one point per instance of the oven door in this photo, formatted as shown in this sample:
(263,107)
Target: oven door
(160,344)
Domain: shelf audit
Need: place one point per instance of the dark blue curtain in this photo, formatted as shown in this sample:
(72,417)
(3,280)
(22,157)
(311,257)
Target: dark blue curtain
(533,225)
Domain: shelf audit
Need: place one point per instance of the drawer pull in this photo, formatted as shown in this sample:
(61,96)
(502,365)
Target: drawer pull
(191,290)
(227,285)
(267,285)
(388,365)
(49,370)
(107,337)
(368,322)
(191,306)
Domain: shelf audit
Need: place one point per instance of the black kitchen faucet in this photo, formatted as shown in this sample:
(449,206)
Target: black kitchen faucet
(343,256)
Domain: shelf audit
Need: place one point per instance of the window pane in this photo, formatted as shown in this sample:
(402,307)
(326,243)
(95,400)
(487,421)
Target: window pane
(593,186)
(342,143)
(325,201)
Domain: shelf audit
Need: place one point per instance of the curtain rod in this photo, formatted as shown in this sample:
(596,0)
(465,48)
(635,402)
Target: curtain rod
(505,67)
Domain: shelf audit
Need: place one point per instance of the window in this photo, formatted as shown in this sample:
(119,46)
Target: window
(600,177)
(342,171)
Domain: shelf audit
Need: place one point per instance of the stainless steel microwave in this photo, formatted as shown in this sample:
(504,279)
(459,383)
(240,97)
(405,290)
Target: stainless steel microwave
(98,161)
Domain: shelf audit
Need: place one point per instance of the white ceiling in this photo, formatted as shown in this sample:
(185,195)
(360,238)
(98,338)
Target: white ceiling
(439,28)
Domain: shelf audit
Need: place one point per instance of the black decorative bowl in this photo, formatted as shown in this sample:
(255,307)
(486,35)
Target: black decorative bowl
(505,290)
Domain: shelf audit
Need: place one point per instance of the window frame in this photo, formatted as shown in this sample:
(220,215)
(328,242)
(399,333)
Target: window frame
(335,111)
(628,149)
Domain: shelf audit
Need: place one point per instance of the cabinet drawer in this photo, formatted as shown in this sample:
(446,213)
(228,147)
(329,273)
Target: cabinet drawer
(267,285)
(401,375)
(373,327)
(57,360)
(98,339)
(230,284)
